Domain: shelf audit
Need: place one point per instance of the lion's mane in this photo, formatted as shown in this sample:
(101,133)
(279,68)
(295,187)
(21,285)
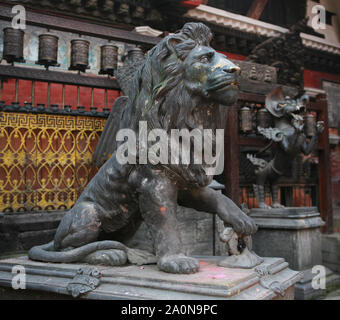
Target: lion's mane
(158,94)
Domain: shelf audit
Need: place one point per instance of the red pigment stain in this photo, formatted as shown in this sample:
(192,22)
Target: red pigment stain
(163,209)
(92,228)
(214,269)
(219,276)
(203,263)
(124,209)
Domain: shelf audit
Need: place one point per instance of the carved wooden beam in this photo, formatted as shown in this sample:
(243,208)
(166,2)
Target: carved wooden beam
(256,9)
(79,26)
(70,78)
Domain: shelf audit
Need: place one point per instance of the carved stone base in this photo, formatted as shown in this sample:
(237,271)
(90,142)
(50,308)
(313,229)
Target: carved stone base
(246,260)
(271,280)
(331,251)
(304,288)
(293,234)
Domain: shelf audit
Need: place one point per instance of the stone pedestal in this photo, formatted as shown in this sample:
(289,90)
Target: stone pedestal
(331,251)
(293,234)
(21,231)
(271,280)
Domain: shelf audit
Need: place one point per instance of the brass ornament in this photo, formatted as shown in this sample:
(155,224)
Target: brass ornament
(48,50)
(13,45)
(80,49)
(108,59)
(263,118)
(310,125)
(246,118)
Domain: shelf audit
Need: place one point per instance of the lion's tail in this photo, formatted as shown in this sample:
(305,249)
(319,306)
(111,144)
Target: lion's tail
(46,253)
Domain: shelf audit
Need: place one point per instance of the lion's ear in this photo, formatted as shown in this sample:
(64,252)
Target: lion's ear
(171,44)
(169,47)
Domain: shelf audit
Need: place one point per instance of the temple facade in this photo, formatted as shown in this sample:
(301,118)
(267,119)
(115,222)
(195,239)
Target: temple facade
(58,86)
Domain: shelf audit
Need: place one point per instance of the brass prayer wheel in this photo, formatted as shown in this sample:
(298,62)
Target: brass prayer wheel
(246,119)
(310,125)
(135,53)
(108,59)
(79,55)
(48,50)
(132,61)
(13,45)
(263,118)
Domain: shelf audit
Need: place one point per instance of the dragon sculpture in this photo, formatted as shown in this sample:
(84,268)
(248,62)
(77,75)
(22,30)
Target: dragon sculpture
(289,135)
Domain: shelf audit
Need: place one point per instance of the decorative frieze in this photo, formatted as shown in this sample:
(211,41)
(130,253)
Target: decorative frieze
(249,25)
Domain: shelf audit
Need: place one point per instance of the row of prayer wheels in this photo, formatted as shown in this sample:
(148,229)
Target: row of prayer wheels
(249,122)
(48,52)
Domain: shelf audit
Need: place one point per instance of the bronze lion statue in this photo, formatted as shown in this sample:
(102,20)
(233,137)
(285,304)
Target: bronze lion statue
(183,83)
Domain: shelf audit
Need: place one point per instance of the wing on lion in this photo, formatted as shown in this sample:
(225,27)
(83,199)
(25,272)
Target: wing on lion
(107,142)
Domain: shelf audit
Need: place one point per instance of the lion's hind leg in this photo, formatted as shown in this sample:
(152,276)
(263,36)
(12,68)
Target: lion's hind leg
(80,227)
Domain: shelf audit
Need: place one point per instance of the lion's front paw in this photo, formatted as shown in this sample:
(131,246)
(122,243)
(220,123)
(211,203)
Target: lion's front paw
(278,206)
(262,205)
(178,263)
(242,224)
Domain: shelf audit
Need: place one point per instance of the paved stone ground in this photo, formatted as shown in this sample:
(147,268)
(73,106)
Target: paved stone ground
(331,294)
(335,295)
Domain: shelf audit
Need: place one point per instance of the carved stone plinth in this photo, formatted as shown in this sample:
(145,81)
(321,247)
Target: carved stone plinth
(271,280)
(293,234)
(331,251)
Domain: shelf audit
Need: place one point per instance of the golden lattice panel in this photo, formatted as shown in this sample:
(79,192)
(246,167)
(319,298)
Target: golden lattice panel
(45,160)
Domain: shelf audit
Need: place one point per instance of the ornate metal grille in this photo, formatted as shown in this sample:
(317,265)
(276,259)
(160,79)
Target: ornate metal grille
(45,160)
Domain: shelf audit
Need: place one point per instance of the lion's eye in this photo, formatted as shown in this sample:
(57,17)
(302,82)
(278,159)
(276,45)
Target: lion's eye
(204,59)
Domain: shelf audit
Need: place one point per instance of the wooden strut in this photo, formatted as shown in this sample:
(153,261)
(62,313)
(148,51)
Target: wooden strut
(256,9)
(325,186)
(232,175)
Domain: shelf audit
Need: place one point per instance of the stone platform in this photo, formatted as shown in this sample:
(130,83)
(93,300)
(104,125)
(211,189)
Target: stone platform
(293,234)
(271,280)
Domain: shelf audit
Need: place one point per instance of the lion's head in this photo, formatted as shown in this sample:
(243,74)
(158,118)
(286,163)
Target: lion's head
(183,84)
(181,76)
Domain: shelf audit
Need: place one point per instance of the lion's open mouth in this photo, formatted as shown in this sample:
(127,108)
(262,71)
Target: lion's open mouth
(224,84)
(297,117)
(297,114)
